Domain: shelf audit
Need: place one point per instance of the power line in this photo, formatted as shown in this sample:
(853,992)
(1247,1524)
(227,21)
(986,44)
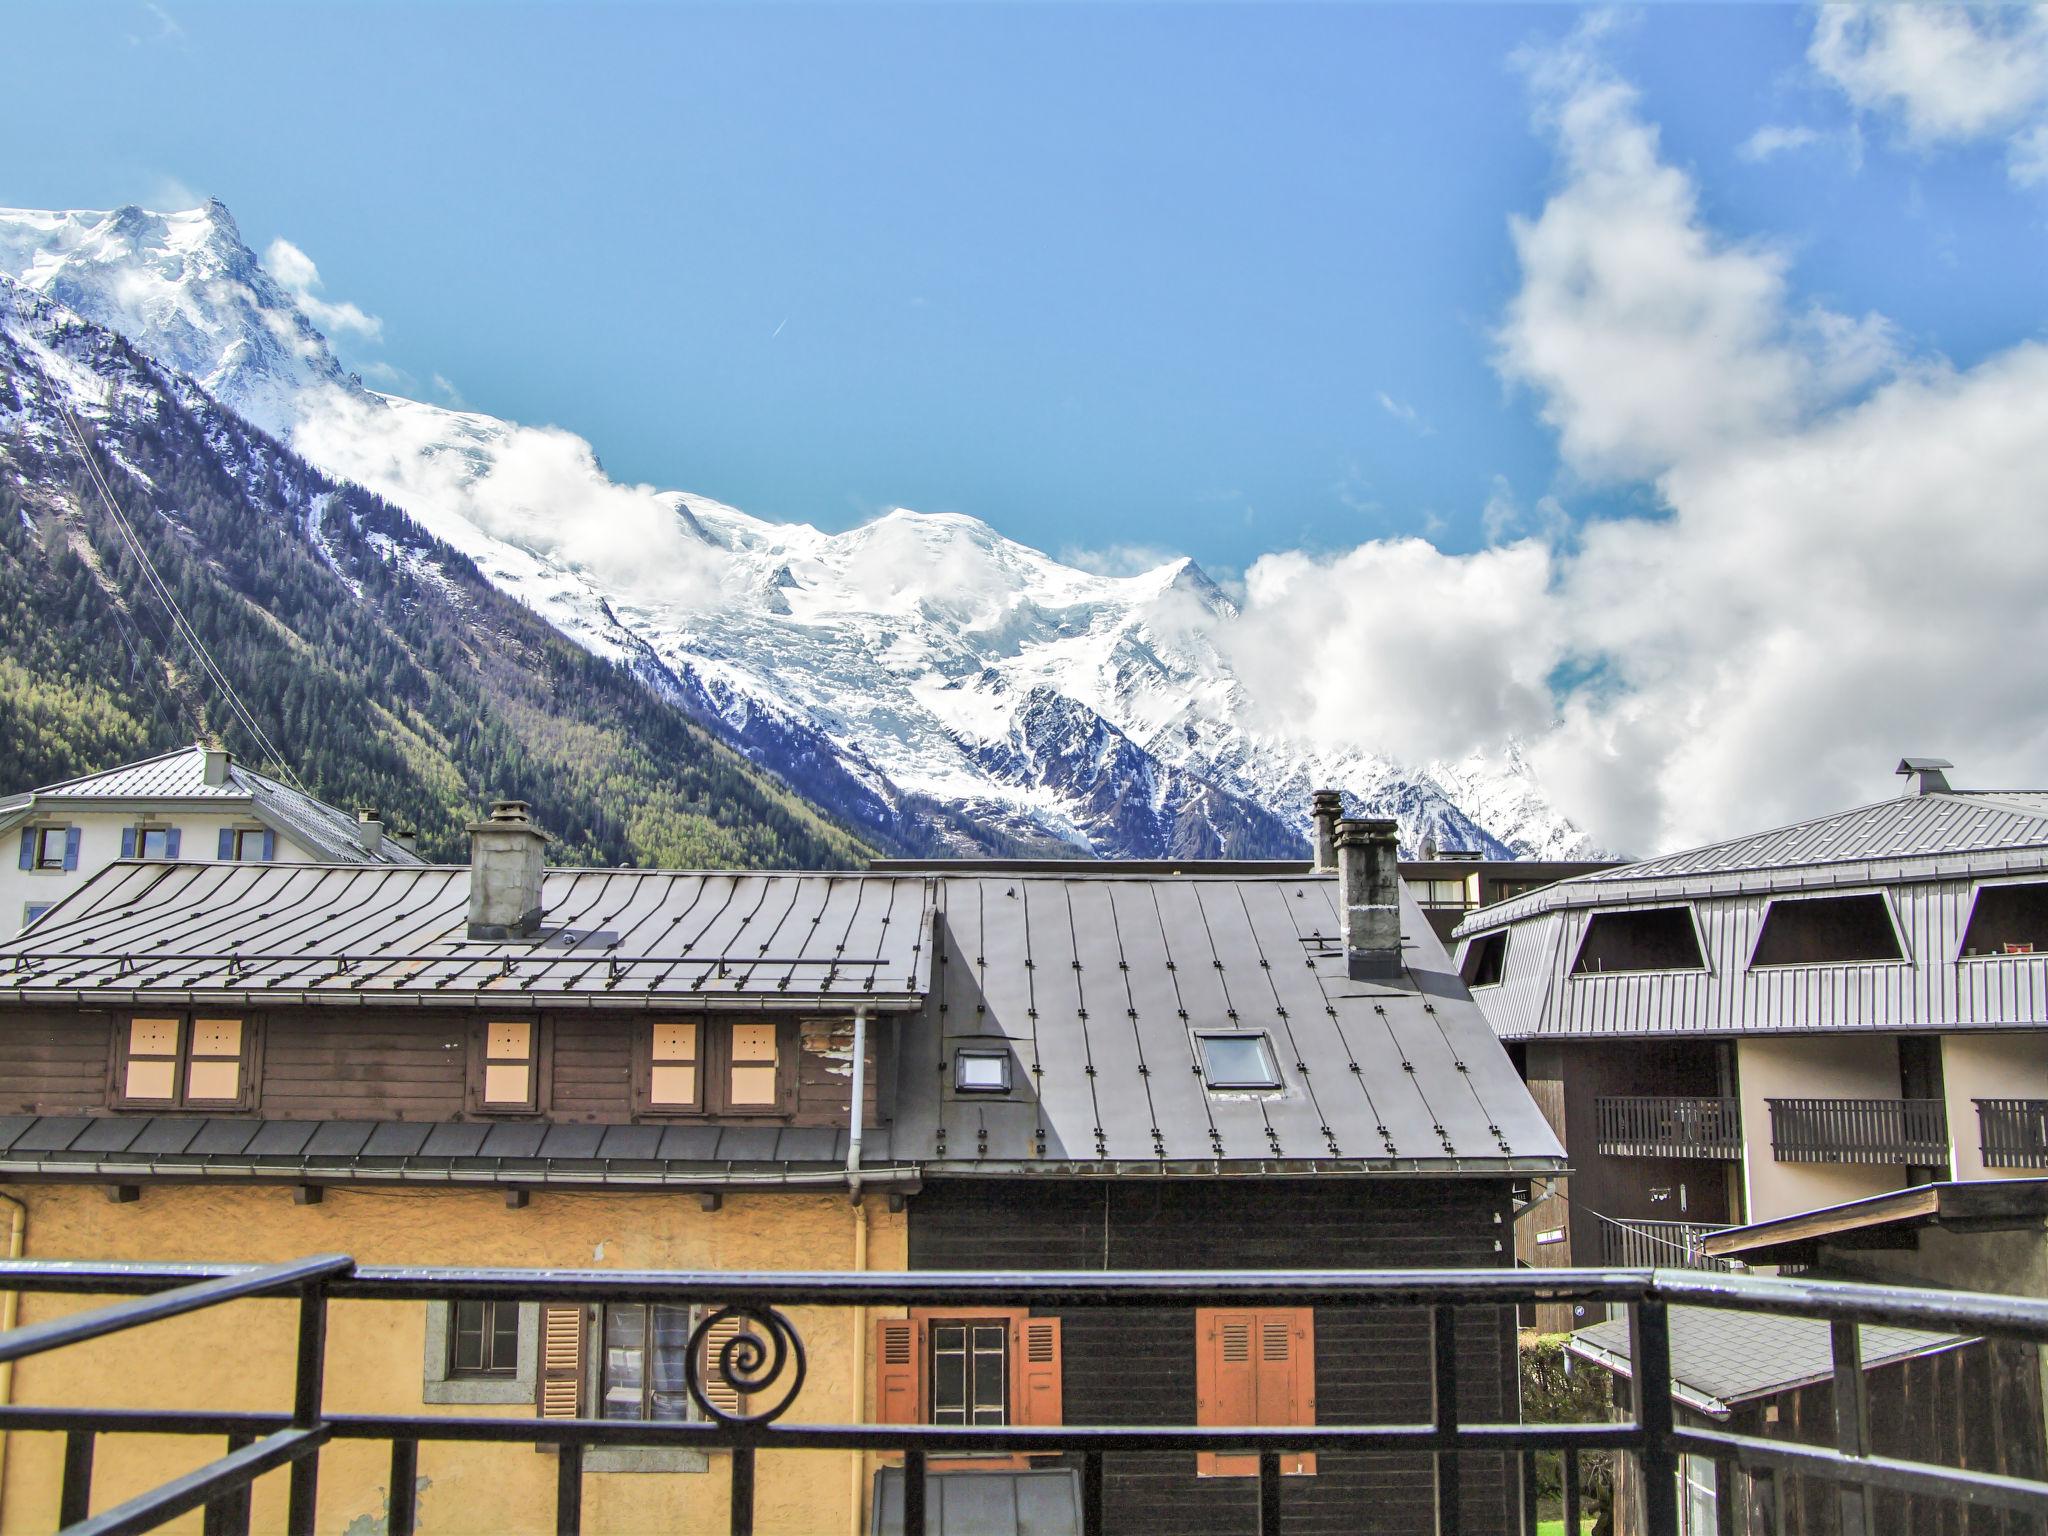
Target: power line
(179,622)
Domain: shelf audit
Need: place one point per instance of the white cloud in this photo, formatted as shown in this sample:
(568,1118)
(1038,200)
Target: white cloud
(296,273)
(1404,413)
(1949,74)
(1118,559)
(1776,139)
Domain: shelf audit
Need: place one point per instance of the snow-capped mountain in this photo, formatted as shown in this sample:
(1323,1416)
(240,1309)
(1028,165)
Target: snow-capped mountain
(935,683)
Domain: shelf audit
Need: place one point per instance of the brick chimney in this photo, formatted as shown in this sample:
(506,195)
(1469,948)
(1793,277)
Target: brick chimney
(1326,808)
(1369,884)
(370,830)
(214,769)
(505,864)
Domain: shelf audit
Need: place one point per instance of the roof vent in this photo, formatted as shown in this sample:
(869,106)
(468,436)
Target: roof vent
(1926,774)
(1325,807)
(215,768)
(505,866)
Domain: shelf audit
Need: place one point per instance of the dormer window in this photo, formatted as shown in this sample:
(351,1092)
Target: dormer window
(981,1070)
(1827,930)
(1486,960)
(1643,939)
(2008,920)
(1237,1059)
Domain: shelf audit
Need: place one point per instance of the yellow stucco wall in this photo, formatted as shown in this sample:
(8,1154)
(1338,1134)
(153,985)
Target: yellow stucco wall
(1989,1066)
(1799,1067)
(240,1356)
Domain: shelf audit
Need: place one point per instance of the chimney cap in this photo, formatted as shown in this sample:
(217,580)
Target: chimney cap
(368,813)
(1926,773)
(1327,800)
(1365,829)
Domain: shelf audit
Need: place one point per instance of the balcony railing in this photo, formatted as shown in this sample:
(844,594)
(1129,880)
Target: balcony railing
(2013,1133)
(1637,1126)
(1859,1131)
(1662,1244)
(767,1358)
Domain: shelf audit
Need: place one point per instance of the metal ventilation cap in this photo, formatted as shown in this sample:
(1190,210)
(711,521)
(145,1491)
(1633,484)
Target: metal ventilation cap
(1926,773)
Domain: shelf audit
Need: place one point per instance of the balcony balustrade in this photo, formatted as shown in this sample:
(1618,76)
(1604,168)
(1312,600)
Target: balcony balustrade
(1671,1126)
(1911,1131)
(2013,1133)
(1662,1244)
(766,1360)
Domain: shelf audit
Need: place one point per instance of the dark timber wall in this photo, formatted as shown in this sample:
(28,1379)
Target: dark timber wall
(1372,1365)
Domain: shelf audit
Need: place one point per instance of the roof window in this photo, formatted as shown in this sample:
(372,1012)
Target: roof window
(1486,960)
(2008,920)
(1237,1059)
(1647,939)
(1827,930)
(981,1071)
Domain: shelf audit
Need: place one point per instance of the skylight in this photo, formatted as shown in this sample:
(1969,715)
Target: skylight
(981,1071)
(1237,1059)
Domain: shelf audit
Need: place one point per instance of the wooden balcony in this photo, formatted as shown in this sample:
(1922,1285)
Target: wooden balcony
(2013,1133)
(1913,1131)
(1639,1126)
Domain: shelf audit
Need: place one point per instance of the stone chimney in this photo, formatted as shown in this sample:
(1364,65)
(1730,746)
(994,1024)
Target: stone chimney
(505,864)
(1924,774)
(215,771)
(370,830)
(1369,883)
(1327,808)
(405,838)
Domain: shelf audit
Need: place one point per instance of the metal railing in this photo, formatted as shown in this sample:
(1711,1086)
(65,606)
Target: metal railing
(2013,1133)
(1859,1130)
(1662,1244)
(1671,1126)
(766,1358)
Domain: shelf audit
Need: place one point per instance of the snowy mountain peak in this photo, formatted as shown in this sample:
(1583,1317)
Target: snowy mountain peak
(932,681)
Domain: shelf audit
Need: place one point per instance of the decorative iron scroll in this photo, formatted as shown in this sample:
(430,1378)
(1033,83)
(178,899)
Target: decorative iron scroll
(746,1362)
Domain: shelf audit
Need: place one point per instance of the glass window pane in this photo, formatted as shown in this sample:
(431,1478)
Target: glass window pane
(625,1344)
(155,842)
(468,1327)
(989,1394)
(505,1337)
(949,1373)
(1238,1061)
(983,1071)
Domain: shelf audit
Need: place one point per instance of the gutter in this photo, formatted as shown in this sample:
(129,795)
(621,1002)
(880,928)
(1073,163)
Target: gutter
(80,1171)
(860,1079)
(1607,1360)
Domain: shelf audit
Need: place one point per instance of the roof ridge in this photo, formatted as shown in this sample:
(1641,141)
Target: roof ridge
(101,773)
(1622,871)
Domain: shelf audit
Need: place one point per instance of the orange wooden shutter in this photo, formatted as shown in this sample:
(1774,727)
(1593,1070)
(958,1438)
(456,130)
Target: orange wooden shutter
(1226,1384)
(1287,1375)
(717,1389)
(899,1371)
(560,1388)
(1035,1345)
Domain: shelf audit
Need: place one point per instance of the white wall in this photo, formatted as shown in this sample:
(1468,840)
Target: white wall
(99,845)
(1815,1067)
(2012,1065)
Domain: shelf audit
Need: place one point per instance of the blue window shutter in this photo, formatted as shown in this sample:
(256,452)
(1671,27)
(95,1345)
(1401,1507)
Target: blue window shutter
(269,845)
(127,842)
(28,847)
(71,847)
(171,843)
(227,843)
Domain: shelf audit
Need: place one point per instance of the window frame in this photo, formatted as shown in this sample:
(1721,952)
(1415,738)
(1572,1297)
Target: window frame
(540,1066)
(32,912)
(1692,917)
(249,1063)
(1024,1404)
(439,1386)
(1977,890)
(1883,898)
(1469,967)
(490,1334)
(714,1068)
(266,844)
(1278,1082)
(42,865)
(974,1052)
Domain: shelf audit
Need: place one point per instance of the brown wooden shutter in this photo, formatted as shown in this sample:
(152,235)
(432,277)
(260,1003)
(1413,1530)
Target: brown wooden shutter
(717,1389)
(560,1388)
(899,1371)
(1035,1346)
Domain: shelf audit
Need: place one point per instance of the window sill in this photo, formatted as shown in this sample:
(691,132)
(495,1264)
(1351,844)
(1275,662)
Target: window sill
(477,1391)
(645,1458)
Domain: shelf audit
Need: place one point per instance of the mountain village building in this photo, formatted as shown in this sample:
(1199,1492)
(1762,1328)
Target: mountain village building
(983,1067)
(194,803)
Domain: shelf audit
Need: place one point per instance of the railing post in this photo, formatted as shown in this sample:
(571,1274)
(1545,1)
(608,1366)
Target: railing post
(1269,1493)
(913,1493)
(1530,1498)
(742,1490)
(1650,1356)
(1091,1493)
(1852,1423)
(1444,1340)
(228,1515)
(1725,1507)
(74,1500)
(305,1473)
(1569,1476)
(569,1490)
(404,1500)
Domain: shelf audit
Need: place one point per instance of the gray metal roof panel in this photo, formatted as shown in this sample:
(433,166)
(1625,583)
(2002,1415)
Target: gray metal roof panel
(341,1138)
(464,1138)
(282,1138)
(221,1135)
(1732,1357)
(810,1144)
(635,1141)
(51,1133)
(12,1127)
(226,931)
(689,1143)
(110,1134)
(748,1143)
(572,1141)
(164,1136)
(515,1138)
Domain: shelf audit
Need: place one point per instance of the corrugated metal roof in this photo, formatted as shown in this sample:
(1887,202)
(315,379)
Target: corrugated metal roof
(1722,1359)
(473,1152)
(1094,983)
(380,933)
(1892,832)
(321,828)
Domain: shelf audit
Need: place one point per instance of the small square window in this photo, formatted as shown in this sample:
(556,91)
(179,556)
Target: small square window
(33,910)
(50,843)
(252,844)
(981,1071)
(1237,1059)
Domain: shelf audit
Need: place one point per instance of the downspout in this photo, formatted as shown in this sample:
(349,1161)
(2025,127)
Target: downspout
(10,1314)
(857,1462)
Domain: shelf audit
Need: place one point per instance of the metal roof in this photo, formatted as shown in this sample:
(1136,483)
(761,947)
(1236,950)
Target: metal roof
(180,776)
(1720,1360)
(1971,1205)
(1902,832)
(186,1147)
(384,934)
(1094,984)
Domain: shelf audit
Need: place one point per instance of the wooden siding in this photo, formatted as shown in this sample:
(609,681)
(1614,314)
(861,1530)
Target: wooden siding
(369,1066)
(54,1063)
(1138,1367)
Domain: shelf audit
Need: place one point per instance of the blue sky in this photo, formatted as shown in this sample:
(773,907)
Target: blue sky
(1208,279)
